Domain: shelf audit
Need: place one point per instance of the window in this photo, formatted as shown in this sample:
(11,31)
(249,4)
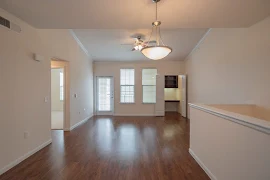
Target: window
(61,86)
(127,85)
(149,85)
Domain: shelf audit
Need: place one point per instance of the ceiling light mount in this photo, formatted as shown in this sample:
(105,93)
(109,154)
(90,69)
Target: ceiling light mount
(156,23)
(159,50)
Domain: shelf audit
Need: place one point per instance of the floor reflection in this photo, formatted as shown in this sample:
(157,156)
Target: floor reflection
(58,149)
(104,136)
(127,140)
(150,139)
(170,131)
(58,137)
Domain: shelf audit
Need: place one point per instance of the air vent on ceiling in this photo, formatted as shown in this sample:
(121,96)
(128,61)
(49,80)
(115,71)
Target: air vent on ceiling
(10,25)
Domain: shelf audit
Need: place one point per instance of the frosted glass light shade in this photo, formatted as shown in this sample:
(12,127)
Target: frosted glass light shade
(156,52)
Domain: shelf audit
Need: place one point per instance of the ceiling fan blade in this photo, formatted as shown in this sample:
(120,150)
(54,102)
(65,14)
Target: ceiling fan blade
(127,44)
(150,42)
(138,35)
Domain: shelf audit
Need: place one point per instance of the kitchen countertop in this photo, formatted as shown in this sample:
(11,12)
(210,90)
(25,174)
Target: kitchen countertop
(172,100)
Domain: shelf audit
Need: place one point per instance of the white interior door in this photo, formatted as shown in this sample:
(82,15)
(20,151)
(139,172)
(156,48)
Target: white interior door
(184,97)
(160,102)
(105,96)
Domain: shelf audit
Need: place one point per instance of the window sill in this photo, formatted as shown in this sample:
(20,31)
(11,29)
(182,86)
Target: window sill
(126,103)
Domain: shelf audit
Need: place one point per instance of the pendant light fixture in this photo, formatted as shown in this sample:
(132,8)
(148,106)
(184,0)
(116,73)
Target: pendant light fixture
(159,50)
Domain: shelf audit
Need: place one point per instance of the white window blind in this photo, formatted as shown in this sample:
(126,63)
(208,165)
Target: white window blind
(61,86)
(127,83)
(149,85)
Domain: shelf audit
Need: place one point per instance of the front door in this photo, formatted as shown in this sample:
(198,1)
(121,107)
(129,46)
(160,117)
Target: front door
(105,96)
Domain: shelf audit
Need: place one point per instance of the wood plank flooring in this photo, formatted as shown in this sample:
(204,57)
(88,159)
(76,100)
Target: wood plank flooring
(115,148)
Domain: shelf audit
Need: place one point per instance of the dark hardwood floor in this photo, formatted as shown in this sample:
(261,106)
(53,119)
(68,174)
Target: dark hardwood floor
(114,148)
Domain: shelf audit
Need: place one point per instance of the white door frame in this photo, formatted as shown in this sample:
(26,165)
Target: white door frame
(184,96)
(97,112)
(160,102)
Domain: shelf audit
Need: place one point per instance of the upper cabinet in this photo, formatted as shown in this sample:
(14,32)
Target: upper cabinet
(171,81)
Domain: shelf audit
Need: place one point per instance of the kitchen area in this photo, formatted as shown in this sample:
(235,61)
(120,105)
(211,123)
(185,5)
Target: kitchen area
(175,94)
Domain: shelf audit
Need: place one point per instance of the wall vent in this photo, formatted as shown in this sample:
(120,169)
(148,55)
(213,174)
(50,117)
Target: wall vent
(10,25)
(4,22)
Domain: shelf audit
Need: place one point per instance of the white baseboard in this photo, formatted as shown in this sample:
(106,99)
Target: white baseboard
(208,172)
(134,115)
(25,156)
(81,122)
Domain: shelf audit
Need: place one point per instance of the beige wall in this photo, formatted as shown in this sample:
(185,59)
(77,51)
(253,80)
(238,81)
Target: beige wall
(56,103)
(227,149)
(231,66)
(172,93)
(24,83)
(113,69)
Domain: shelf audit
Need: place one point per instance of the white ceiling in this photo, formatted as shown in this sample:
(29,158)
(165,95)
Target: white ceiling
(134,14)
(103,25)
(105,45)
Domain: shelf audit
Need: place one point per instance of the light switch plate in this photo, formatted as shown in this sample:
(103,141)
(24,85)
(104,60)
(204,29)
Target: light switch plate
(46,99)
(26,135)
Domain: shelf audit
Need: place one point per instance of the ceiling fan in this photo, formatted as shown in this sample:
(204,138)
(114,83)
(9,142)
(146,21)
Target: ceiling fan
(139,43)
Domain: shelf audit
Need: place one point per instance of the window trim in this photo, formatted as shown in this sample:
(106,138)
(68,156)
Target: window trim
(147,85)
(128,85)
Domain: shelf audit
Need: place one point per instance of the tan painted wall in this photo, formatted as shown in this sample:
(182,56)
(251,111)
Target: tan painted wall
(231,66)
(113,69)
(228,149)
(171,94)
(24,83)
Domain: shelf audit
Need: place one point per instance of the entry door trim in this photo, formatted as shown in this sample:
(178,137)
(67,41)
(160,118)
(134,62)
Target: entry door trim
(112,98)
(184,96)
(160,102)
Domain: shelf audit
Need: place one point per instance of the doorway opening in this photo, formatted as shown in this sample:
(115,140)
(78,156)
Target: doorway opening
(60,95)
(175,94)
(57,98)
